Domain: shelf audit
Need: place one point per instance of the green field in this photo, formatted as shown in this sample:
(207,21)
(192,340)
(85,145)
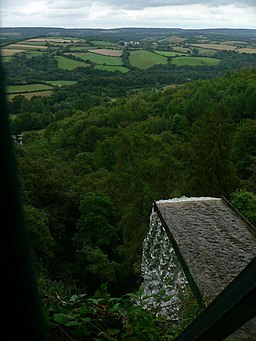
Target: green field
(182,49)
(195,61)
(174,39)
(27,88)
(80,48)
(6,58)
(25,47)
(169,53)
(206,52)
(61,83)
(144,59)
(30,54)
(69,64)
(29,95)
(33,43)
(102,43)
(100,59)
(247,50)
(112,68)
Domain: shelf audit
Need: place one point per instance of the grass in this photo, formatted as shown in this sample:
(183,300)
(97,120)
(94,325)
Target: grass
(33,43)
(100,59)
(30,54)
(195,61)
(62,40)
(174,39)
(247,50)
(19,46)
(10,52)
(206,52)
(7,59)
(182,49)
(80,48)
(27,88)
(107,52)
(29,95)
(61,83)
(112,68)
(216,47)
(102,43)
(169,53)
(69,64)
(144,59)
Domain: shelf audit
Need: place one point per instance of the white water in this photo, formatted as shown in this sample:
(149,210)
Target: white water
(161,271)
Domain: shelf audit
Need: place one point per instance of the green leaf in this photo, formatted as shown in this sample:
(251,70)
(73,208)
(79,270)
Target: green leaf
(86,319)
(72,323)
(60,318)
(113,331)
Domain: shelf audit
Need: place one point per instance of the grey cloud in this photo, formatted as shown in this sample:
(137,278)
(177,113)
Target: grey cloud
(126,4)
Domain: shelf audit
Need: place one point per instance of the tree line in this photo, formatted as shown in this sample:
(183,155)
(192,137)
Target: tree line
(89,178)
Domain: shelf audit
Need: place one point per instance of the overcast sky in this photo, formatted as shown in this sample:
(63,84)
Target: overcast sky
(129,13)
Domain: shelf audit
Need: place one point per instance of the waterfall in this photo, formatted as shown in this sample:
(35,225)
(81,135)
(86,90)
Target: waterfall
(161,271)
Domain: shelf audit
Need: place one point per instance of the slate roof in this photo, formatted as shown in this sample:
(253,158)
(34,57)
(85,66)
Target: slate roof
(213,242)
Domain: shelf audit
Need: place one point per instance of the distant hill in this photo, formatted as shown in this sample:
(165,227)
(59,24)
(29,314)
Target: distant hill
(124,33)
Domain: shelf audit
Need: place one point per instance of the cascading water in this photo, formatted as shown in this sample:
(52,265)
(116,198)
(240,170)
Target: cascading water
(161,271)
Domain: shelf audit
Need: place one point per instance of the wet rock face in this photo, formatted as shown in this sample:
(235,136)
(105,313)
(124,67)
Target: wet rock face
(162,271)
(215,242)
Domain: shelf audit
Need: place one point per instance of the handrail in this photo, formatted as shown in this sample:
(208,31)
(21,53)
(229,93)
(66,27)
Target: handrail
(235,306)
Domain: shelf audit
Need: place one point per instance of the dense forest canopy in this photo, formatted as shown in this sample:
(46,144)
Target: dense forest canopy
(91,177)
(95,155)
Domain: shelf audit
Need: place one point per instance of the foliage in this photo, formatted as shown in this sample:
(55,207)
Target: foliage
(102,317)
(95,171)
(195,61)
(245,203)
(97,153)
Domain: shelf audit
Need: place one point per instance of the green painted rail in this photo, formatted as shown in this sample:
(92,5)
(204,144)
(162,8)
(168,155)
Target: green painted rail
(235,306)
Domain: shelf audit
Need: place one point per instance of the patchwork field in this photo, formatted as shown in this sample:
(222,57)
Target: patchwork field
(6,59)
(100,59)
(102,43)
(29,95)
(216,47)
(30,54)
(206,52)
(61,83)
(80,48)
(33,43)
(233,42)
(107,52)
(168,53)
(174,39)
(69,64)
(247,50)
(26,47)
(55,40)
(11,89)
(10,52)
(112,68)
(195,61)
(144,59)
(182,49)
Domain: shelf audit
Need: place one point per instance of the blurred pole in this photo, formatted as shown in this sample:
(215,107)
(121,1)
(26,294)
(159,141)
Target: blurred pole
(21,313)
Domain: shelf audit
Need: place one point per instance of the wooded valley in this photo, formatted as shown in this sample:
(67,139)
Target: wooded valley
(96,152)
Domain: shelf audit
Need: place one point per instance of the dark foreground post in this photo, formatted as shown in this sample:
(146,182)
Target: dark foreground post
(235,306)
(21,315)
